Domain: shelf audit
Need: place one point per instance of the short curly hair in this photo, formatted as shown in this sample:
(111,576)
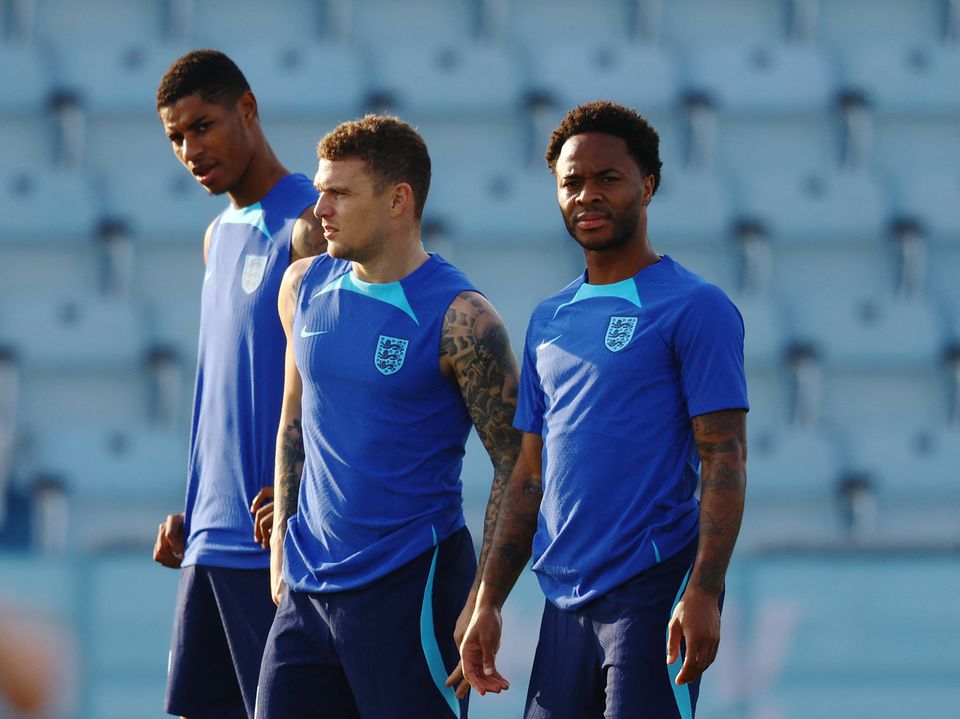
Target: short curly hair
(610,118)
(391,148)
(210,73)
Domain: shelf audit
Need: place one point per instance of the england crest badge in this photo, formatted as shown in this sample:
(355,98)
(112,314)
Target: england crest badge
(619,332)
(391,351)
(253,268)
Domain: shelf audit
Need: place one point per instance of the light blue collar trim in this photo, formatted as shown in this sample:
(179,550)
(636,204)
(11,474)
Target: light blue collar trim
(625,290)
(390,292)
(252,215)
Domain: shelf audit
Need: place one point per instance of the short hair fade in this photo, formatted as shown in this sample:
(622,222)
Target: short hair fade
(392,150)
(210,73)
(610,118)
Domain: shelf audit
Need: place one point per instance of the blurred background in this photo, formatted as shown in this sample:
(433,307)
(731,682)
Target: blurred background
(811,156)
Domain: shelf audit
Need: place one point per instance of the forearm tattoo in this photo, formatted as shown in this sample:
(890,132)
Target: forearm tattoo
(475,341)
(290,454)
(722,444)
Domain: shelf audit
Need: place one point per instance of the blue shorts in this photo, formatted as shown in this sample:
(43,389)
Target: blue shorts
(220,628)
(607,658)
(377,652)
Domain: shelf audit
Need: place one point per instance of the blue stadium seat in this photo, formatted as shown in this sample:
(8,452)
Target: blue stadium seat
(39,585)
(944,271)
(121,464)
(690,208)
(375,23)
(75,333)
(219,23)
(83,396)
(913,80)
(483,207)
(854,23)
(25,79)
(29,139)
(791,464)
(911,465)
(447,78)
(714,262)
(823,207)
(869,394)
(535,22)
(800,143)
(802,275)
(640,76)
(294,139)
(134,70)
(933,198)
(292,80)
(29,193)
(106,22)
(922,143)
(764,78)
(72,266)
(871,331)
(695,23)
(765,335)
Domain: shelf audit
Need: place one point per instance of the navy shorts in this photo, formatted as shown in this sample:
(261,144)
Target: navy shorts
(219,631)
(376,652)
(607,658)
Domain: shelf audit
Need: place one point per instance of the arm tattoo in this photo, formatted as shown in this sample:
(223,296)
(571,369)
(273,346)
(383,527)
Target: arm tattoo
(721,442)
(290,454)
(516,524)
(475,341)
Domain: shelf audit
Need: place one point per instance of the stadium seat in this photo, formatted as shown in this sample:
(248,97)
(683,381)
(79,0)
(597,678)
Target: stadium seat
(923,143)
(134,69)
(448,78)
(640,76)
(690,24)
(690,208)
(792,464)
(943,273)
(915,80)
(535,22)
(105,394)
(857,23)
(301,79)
(821,207)
(39,585)
(911,465)
(220,23)
(75,333)
(869,395)
(25,79)
(765,338)
(799,144)
(762,79)
(106,22)
(871,331)
(932,198)
(804,275)
(376,23)
(72,266)
(29,193)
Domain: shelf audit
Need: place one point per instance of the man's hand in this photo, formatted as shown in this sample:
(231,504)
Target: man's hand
(262,510)
(277,584)
(479,649)
(456,678)
(696,619)
(169,548)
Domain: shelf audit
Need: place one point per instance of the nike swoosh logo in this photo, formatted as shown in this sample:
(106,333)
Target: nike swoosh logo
(305,334)
(549,342)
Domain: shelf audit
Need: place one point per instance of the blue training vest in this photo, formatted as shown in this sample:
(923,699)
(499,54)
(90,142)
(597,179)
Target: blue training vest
(239,383)
(383,429)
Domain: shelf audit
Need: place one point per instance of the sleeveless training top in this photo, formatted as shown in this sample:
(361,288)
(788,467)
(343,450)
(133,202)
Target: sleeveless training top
(383,429)
(239,382)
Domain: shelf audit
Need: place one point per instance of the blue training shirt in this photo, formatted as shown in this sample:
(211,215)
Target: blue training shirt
(612,376)
(239,383)
(383,428)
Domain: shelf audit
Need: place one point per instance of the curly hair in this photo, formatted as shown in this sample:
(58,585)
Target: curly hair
(610,118)
(210,73)
(392,150)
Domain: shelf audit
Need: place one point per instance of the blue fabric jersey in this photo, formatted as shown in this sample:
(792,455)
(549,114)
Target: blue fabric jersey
(612,375)
(239,384)
(383,429)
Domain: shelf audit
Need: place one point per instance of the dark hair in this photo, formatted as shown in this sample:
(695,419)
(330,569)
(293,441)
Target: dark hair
(208,72)
(392,149)
(610,118)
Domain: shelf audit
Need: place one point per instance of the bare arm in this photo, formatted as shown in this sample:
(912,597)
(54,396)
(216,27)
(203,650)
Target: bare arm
(290,452)
(307,239)
(721,439)
(511,546)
